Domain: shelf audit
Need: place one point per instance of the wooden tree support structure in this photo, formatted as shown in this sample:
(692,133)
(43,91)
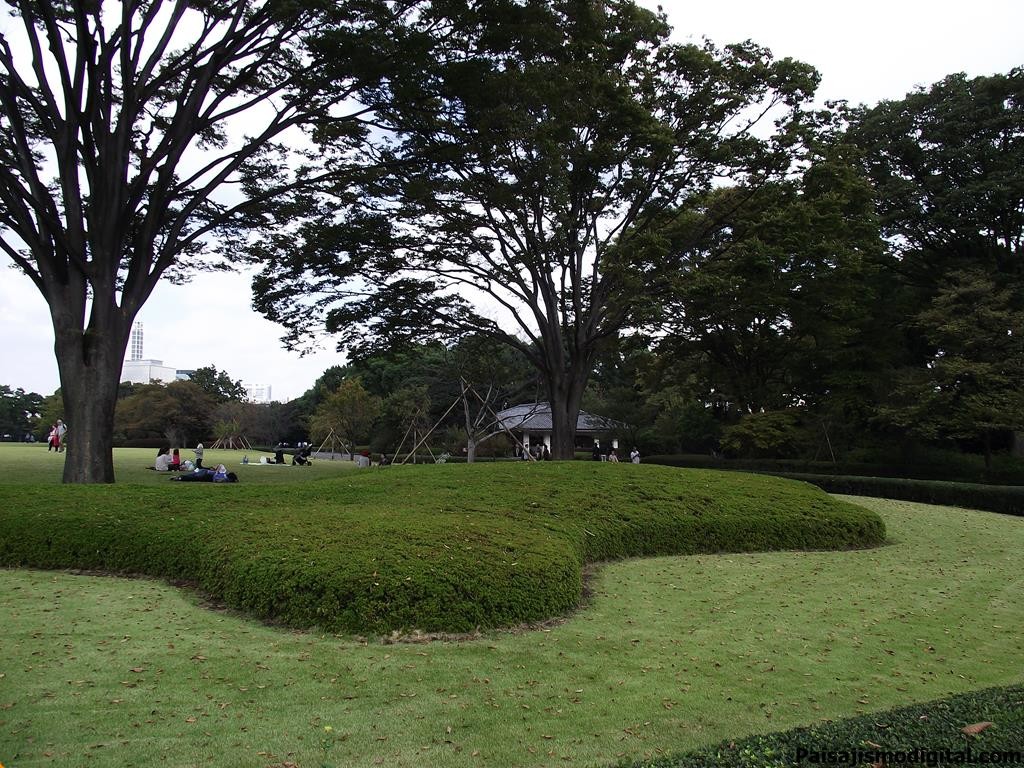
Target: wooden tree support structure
(332,438)
(232,442)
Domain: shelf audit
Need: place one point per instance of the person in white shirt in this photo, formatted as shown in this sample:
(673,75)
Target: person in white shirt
(163,461)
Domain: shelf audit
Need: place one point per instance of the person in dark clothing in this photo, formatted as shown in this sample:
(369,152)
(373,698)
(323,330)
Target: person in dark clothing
(301,458)
(205,475)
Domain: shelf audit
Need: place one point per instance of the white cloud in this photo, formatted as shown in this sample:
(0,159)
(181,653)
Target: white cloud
(26,336)
(207,322)
(210,321)
(866,51)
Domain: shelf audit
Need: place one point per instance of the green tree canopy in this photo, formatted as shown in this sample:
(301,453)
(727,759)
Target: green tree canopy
(139,136)
(217,384)
(20,412)
(349,412)
(765,289)
(539,136)
(180,412)
(946,162)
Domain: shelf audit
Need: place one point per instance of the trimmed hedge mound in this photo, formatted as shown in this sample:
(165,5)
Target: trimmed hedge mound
(438,548)
(921,734)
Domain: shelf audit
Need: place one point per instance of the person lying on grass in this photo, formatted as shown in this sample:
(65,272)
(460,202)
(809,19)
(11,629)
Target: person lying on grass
(205,475)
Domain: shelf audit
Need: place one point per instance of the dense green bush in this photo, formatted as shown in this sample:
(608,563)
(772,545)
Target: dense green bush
(771,433)
(437,548)
(933,730)
(1008,499)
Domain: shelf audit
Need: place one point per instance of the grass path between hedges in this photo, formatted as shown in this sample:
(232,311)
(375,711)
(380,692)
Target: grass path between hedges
(671,653)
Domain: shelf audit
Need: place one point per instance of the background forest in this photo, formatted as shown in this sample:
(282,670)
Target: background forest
(867,307)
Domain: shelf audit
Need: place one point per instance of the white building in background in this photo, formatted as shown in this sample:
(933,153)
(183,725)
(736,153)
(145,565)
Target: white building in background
(137,370)
(136,343)
(258,393)
(147,371)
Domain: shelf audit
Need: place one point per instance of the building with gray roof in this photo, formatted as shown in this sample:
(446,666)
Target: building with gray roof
(532,424)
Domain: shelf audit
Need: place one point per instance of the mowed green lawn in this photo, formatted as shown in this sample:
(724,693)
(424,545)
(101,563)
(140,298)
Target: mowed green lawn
(32,463)
(669,653)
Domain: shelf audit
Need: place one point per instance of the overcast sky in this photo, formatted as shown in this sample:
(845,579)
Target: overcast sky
(865,52)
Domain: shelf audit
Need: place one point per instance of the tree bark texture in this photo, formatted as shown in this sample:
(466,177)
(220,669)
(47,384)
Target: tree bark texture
(90,371)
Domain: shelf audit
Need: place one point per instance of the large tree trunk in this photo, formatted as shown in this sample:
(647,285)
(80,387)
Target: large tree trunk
(471,428)
(565,395)
(90,370)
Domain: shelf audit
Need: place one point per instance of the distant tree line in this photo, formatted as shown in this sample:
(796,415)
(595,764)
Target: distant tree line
(868,305)
(659,226)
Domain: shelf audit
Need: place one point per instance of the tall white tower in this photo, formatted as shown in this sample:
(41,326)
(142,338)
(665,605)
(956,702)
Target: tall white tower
(136,353)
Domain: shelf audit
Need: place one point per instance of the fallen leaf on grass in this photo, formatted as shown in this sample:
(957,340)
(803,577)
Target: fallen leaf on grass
(976,728)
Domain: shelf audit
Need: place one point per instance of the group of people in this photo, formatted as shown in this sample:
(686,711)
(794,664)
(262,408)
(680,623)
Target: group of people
(613,455)
(169,460)
(55,442)
(205,475)
(536,452)
(301,458)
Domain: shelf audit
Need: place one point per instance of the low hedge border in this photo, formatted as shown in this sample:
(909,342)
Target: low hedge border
(921,734)
(437,549)
(968,470)
(1006,499)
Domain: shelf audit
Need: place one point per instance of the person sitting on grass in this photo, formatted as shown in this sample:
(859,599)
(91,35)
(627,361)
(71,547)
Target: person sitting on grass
(301,458)
(205,475)
(175,464)
(163,460)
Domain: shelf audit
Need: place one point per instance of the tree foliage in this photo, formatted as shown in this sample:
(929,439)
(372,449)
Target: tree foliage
(218,384)
(136,137)
(946,164)
(538,137)
(20,412)
(766,289)
(349,412)
(181,412)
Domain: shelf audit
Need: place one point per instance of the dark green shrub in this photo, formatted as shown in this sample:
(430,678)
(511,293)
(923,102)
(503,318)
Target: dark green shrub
(934,731)
(947,466)
(435,548)
(772,433)
(1007,499)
